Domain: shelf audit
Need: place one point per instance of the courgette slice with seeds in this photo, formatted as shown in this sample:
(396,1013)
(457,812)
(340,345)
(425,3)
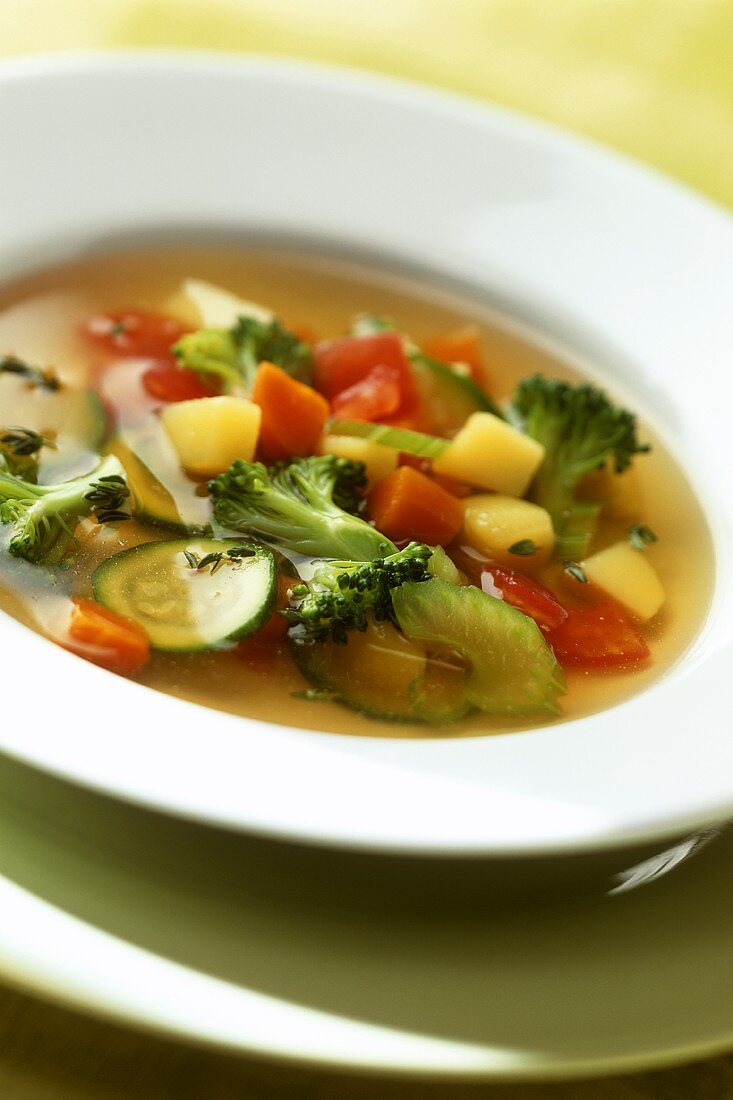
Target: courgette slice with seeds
(74,419)
(190,594)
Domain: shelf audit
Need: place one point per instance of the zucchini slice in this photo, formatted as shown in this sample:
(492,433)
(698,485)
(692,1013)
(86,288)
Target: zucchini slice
(190,594)
(384,675)
(160,490)
(447,398)
(73,418)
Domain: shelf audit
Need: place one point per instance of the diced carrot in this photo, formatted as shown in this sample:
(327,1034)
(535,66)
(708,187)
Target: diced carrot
(462,345)
(408,505)
(424,465)
(106,638)
(293,414)
(455,488)
(375,396)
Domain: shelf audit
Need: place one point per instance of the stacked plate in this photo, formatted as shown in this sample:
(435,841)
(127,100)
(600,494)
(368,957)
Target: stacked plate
(490,906)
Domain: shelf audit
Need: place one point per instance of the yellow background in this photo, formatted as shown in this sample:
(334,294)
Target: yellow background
(651,77)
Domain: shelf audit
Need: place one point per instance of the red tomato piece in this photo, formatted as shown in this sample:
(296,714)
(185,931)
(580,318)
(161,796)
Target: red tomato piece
(166,381)
(598,636)
(341,363)
(377,395)
(135,332)
(528,596)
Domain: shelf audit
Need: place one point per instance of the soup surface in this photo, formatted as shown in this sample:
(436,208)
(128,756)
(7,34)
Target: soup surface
(45,320)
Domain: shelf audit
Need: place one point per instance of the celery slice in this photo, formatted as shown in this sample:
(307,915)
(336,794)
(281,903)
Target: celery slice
(402,439)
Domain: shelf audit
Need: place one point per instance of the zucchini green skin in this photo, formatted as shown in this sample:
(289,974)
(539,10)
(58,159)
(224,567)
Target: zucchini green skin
(153,502)
(448,398)
(74,418)
(137,582)
(327,666)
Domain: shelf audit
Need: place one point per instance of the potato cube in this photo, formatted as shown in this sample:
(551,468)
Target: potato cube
(627,576)
(208,433)
(204,305)
(491,454)
(492,522)
(378,459)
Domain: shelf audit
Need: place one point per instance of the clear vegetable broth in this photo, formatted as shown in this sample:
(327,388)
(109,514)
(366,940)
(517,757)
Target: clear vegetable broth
(40,318)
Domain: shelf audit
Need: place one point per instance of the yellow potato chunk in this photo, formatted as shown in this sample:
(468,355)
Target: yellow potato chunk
(378,459)
(491,454)
(208,433)
(627,576)
(492,522)
(204,305)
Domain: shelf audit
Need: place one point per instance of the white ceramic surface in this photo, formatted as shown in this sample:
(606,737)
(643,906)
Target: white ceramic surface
(627,268)
(163,925)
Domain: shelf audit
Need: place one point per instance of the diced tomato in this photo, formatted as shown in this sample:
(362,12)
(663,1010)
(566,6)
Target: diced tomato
(293,414)
(407,504)
(167,381)
(341,363)
(135,332)
(106,638)
(461,345)
(598,636)
(527,595)
(376,396)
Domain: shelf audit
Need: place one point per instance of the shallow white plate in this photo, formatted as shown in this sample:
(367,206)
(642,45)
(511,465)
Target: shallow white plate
(167,926)
(628,269)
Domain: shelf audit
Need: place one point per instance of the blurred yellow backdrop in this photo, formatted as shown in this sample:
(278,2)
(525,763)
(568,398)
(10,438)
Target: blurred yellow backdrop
(651,77)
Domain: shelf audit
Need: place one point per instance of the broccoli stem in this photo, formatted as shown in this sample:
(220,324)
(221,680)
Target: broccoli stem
(295,505)
(42,517)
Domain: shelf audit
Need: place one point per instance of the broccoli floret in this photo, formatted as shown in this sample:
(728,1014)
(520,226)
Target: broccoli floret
(342,594)
(42,517)
(232,355)
(580,430)
(299,505)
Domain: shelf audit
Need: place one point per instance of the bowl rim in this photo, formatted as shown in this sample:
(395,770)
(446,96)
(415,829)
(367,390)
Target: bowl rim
(577,169)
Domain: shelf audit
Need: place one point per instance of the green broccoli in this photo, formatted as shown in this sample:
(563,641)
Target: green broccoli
(232,355)
(42,517)
(580,430)
(304,504)
(341,594)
